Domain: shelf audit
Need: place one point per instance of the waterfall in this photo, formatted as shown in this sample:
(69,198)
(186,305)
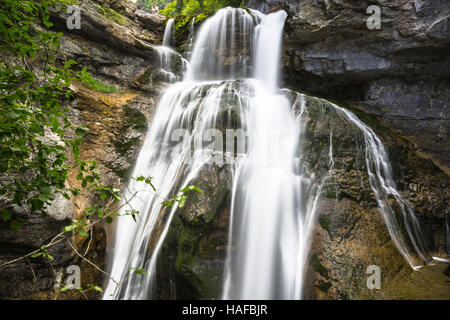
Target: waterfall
(190,42)
(168,40)
(233,73)
(172,64)
(223,48)
(265,228)
(169,59)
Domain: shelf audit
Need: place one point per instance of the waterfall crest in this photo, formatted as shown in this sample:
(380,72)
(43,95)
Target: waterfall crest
(223,46)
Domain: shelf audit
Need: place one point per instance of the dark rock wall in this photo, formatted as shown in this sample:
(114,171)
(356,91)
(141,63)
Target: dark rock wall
(192,259)
(399,72)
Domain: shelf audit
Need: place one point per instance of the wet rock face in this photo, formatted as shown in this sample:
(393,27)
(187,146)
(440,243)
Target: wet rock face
(401,68)
(350,233)
(192,259)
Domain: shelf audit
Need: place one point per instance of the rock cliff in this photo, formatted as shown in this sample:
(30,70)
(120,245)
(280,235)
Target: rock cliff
(395,79)
(398,72)
(116,45)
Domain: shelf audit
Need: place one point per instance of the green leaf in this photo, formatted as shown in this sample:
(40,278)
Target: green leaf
(192,188)
(37,254)
(15,225)
(138,270)
(168,203)
(13,115)
(36,204)
(182,201)
(6,215)
(83,233)
(80,132)
(43,198)
(97,288)
(68,287)
(45,190)
(69,63)
(69,228)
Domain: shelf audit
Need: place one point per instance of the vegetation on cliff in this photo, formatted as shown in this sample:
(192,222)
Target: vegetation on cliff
(196,7)
(35,128)
(40,156)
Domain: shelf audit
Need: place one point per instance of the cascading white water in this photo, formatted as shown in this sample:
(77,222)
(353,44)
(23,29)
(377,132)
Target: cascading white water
(275,194)
(223,47)
(169,33)
(190,42)
(167,58)
(171,164)
(265,231)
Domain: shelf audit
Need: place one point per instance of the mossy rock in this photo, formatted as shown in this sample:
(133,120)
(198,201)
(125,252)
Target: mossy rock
(113,16)
(318,267)
(193,253)
(129,138)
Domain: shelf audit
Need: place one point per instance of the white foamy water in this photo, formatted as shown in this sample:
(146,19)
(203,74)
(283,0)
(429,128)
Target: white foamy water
(168,40)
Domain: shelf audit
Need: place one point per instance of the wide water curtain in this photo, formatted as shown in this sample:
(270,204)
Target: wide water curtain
(265,230)
(278,179)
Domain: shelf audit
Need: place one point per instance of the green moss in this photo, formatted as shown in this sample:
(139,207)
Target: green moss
(318,267)
(96,85)
(182,48)
(183,24)
(323,285)
(324,221)
(68,2)
(135,119)
(369,119)
(146,78)
(187,242)
(113,16)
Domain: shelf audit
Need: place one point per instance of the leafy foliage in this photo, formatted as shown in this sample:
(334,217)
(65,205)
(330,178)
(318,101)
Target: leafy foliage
(113,16)
(181,197)
(36,132)
(90,287)
(195,7)
(43,253)
(35,129)
(94,84)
